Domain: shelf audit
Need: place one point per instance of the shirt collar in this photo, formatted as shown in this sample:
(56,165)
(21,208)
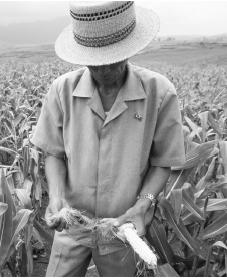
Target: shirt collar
(85,87)
(131,90)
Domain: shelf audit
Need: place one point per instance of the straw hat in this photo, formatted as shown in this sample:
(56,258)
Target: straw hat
(105,32)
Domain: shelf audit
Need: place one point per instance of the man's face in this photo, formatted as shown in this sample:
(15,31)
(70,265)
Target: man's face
(108,74)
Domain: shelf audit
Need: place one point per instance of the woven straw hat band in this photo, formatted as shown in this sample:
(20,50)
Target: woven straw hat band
(98,25)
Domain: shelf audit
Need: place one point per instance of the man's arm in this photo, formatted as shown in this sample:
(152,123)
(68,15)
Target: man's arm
(154,183)
(56,172)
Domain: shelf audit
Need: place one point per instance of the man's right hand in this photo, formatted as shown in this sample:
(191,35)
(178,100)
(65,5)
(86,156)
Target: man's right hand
(51,215)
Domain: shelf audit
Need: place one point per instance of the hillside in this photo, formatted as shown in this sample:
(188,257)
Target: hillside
(179,53)
(38,32)
(173,53)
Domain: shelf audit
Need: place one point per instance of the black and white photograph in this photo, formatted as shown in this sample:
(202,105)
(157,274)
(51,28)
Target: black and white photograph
(113,138)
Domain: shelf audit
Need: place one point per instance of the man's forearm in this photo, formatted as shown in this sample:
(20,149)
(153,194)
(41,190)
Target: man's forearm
(154,183)
(55,169)
(155,180)
(56,178)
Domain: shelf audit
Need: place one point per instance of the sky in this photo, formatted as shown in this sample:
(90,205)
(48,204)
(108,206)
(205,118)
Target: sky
(177,17)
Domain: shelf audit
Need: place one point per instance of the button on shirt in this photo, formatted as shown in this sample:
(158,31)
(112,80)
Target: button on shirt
(107,156)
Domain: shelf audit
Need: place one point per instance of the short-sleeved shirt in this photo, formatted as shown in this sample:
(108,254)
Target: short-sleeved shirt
(108,155)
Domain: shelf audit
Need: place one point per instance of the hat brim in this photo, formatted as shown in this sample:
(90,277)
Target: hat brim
(147,27)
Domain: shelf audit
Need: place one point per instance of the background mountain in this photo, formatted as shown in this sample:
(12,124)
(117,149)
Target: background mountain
(46,32)
(38,32)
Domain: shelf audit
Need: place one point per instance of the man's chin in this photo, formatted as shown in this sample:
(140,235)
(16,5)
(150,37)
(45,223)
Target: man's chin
(106,82)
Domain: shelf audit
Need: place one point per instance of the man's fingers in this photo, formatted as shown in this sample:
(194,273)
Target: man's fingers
(120,221)
(149,216)
(116,223)
(57,223)
(136,221)
(140,230)
(53,219)
(107,220)
(62,225)
(53,224)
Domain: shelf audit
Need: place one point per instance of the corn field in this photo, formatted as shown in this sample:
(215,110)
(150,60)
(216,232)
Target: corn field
(189,228)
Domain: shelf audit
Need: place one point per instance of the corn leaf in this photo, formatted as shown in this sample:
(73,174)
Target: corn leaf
(219,226)
(189,202)
(34,164)
(207,265)
(38,191)
(24,260)
(196,129)
(28,247)
(225,262)
(219,244)
(26,162)
(7,150)
(176,202)
(19,222)
(27,185)
(214,124)
(204,123)
(211,187)
(43,232)
(210,171)
(6,219)
(34,154)
(18,179)
(156,235)
(205,182)
(225,109)
(198,155)
(10,183)
(177,179)
(17,120)
(220,273)
(3,208)
(213,204)
(176,245)
(200,185)
(188,218)
(24,198)
(37,237)
(166,270)
(180,230)
(223,153)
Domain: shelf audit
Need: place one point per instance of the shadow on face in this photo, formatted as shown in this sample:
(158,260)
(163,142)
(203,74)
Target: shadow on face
(108,74)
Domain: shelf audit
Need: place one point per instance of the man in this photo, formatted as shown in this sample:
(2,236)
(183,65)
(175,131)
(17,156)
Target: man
(111,132)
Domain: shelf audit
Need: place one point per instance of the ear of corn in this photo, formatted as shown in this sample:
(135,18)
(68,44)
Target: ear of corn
(138,245)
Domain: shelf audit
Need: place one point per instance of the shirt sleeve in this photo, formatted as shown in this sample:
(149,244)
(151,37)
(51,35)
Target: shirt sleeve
(48,132)
(168,143)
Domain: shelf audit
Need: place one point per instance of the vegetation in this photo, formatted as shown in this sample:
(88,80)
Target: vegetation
(190,223)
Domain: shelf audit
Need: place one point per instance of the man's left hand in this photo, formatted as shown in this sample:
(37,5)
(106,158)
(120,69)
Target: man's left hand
(140,215)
